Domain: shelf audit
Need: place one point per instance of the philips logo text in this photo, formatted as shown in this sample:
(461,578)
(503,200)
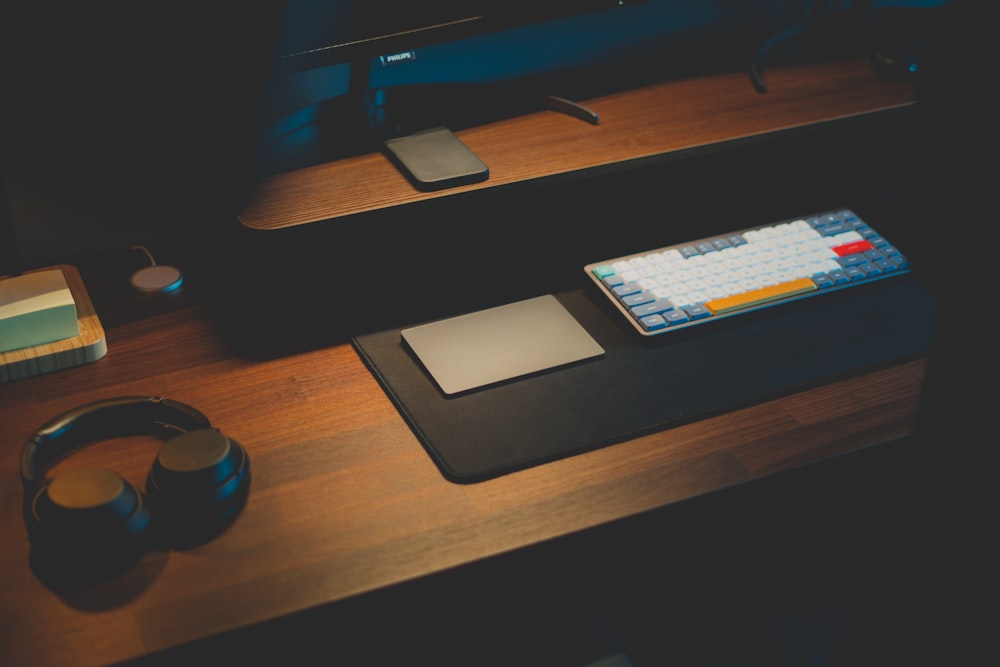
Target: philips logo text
(395,58)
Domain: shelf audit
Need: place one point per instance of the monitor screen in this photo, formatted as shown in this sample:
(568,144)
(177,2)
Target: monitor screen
(324,32)
(352,73)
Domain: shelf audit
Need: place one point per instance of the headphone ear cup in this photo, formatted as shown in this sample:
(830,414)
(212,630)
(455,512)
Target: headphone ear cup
(197,486)
(88,524)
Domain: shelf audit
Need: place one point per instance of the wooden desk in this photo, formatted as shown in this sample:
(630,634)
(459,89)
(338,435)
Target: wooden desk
(344,501)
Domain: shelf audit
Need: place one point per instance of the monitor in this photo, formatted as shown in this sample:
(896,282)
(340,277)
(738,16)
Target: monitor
(324,32)
(353,56)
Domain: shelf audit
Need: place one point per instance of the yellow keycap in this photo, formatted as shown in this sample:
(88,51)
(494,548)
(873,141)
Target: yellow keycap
(759,296)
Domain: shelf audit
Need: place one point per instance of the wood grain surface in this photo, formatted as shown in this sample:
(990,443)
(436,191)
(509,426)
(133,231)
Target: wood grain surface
(642,124)
(344,500)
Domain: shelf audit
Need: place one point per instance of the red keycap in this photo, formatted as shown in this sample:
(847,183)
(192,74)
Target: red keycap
(852,248)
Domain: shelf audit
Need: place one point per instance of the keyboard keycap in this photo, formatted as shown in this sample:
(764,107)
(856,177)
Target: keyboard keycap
(759,296)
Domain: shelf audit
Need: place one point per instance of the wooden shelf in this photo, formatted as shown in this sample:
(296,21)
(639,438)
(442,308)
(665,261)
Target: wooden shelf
(636,126)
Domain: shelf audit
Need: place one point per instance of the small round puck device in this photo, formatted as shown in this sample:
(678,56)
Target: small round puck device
(156,277)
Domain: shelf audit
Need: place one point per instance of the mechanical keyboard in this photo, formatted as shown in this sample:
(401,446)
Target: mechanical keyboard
(689,284)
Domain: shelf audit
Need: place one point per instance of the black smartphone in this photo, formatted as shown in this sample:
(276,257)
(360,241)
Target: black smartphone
(436,159)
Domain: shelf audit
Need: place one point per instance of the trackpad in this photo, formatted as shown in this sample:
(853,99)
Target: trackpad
(498,344)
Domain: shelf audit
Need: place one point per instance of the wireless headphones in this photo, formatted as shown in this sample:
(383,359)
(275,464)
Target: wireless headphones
(90,523)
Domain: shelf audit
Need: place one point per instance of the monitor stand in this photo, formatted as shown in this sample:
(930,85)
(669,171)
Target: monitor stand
(364,118)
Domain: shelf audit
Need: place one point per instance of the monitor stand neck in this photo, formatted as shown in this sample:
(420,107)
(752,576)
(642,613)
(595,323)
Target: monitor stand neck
(360,120)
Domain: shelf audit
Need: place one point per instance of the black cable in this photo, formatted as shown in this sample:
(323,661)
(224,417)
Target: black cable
(756,78)
(811,16)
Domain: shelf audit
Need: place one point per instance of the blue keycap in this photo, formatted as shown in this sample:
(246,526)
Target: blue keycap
(870,269)
(852,260)
(674,317)
(697,311)
(637,299)
(653,322)
(652,308)
(625,289)
(822,280)
(853,273)
(838,276)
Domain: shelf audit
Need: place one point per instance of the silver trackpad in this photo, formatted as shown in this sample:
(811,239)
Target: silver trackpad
(497,344)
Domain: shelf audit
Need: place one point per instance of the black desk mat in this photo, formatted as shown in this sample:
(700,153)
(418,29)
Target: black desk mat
(647,384)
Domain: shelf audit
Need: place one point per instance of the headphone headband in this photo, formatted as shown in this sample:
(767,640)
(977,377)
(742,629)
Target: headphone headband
(107,418)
